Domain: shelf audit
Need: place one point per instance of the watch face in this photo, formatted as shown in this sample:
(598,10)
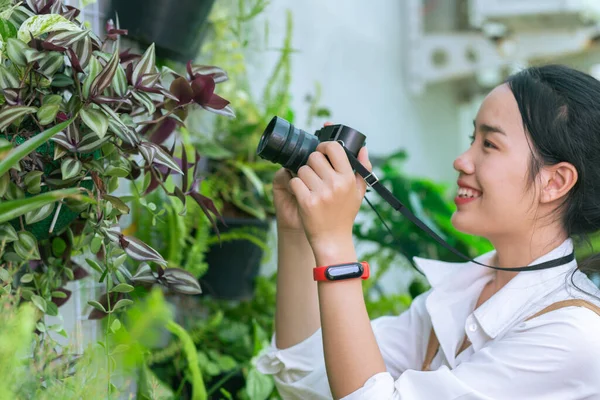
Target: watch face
(344,272)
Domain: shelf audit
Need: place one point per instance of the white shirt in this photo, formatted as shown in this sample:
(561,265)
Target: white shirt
(555,356)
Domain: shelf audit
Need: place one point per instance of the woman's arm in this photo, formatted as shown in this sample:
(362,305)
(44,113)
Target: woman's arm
(352,355)
(329,195)
(297,308)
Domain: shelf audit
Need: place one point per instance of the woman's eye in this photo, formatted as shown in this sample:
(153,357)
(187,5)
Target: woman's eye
(488,144)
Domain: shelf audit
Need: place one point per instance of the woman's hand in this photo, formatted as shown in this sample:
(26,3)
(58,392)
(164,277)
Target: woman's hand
(329,196)
(286,206)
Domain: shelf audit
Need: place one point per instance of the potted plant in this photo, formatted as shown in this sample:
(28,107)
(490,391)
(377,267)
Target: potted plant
(78,114)
(176,27)
(240,182)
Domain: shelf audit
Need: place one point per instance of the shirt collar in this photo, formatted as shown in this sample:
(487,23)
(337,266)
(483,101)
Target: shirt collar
(457,286)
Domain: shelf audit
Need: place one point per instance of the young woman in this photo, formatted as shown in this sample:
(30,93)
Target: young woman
(529,183)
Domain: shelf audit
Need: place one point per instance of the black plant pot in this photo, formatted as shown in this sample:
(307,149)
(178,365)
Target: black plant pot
(234,265)
(177,27)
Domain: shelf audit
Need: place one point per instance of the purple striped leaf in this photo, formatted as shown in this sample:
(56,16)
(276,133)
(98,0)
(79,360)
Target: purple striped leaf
(8,115)
(181,281)
(105,77)
(140,251)
(146,65)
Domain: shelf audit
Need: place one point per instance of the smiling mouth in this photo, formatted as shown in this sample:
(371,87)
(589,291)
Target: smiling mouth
(467,193)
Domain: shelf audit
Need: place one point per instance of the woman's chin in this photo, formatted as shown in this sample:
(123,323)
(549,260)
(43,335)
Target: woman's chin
(465,223)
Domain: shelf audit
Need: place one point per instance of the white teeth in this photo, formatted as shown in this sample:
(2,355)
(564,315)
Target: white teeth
(464,192)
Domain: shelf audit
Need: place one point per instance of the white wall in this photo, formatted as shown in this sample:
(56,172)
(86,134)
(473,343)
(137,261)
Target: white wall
(355,50)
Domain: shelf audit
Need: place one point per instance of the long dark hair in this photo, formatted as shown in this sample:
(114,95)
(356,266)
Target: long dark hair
(560,107)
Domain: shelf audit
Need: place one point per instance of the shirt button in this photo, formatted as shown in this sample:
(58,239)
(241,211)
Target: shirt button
(473,327)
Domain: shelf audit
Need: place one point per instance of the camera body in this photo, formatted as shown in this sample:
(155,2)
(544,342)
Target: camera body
(284,144)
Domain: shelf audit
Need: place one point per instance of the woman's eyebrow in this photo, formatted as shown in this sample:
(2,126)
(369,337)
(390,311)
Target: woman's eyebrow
(485,128)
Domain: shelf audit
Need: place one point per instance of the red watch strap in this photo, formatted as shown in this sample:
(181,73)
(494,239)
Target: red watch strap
(319,272)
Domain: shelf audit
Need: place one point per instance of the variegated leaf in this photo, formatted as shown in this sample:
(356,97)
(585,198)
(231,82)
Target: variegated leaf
(149,80)
(163,158)
(94,69)
(181,281)
(51,63)
(27,247)
(62,139)
(140,251)
(118,127)
(15,50)
(8,115)
(40,24)
(144,274)
(105,77)
(90,143)
(73,134)
(47,113)
(147,151)
(146,65)
(70,167)
(119,82)
(95,120)
(8,79)
(83,50)
(59,152)
(218,74)
(32,55)
(37,215)
(8,233)
(20,15)
(113,233)
(145,101)
(225,111)
(67,38)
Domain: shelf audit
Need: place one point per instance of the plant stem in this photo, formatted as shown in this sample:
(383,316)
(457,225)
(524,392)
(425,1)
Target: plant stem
(224,379)
(198,388)
(108,281)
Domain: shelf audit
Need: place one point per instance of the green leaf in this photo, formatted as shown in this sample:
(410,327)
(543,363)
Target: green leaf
(51,309)
(119,82)
(30,145)
(90,143)
(15,50)
(115,326)
(258,386)
(51,63)
(8,233)
(8,79)
(40,326)
(15,208)
(4,275)
(47,113)
(27,278)
(94,265)
(7,30)
(27,247)
(4,181)
(94,69)
(95,120)
(97,306)
(59,295)
(33,180)
(70,167)
(37,25)
(122,288)
(40,214)
(39,302)
(146,65)
(252,177)
(122,303)
(140,251)
(117,203)
(9,115)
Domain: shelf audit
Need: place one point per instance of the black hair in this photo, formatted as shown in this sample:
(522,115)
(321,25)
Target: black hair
(560,107)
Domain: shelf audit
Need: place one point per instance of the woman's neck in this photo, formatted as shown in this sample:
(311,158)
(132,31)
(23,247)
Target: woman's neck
(521,250)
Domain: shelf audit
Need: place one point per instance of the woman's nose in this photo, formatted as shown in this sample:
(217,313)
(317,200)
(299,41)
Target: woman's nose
(464,164)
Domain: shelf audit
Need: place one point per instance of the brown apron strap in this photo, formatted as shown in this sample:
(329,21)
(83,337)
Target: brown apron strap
(433,345)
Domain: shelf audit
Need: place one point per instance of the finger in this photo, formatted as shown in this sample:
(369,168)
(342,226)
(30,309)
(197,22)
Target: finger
(299,189)
(321,166)
(310,178)
(336,155)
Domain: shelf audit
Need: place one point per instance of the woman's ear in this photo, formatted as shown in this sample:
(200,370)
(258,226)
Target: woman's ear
(557,179)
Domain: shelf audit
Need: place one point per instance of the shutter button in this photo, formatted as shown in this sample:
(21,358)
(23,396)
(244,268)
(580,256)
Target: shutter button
(473,327)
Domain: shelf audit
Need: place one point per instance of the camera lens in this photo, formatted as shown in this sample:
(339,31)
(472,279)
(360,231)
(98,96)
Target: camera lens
(282,143)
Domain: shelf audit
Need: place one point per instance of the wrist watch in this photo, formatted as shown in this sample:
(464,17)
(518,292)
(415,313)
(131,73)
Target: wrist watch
(340,272)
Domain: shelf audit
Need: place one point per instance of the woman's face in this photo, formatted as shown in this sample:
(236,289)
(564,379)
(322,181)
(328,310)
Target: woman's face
(493,198)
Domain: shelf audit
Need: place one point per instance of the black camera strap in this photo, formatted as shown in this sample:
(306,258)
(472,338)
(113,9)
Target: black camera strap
(372,180)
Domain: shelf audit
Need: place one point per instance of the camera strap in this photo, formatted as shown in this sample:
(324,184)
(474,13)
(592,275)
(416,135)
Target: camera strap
(373,182)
